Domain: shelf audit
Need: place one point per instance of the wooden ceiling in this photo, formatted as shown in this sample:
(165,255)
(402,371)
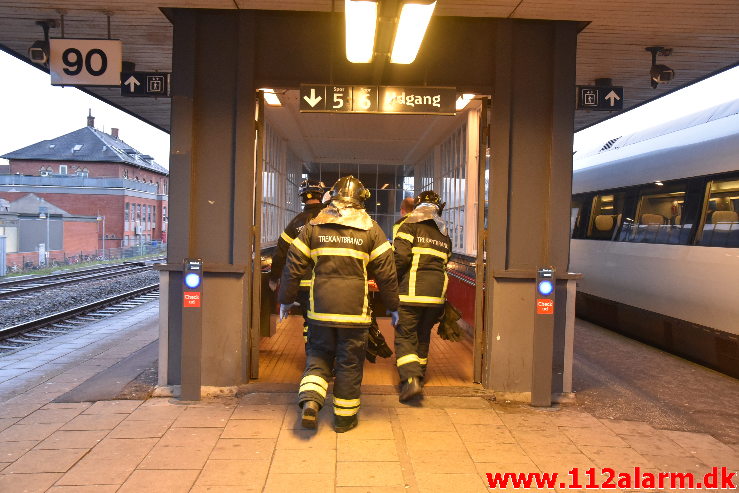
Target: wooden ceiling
(703,35)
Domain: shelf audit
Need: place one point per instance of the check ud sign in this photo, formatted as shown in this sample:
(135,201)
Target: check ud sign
(85,62)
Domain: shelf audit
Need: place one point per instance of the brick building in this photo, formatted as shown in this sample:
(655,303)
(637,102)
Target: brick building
(86,176)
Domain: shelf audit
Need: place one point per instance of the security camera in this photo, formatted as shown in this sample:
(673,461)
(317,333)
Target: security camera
(661,73)
(39,52)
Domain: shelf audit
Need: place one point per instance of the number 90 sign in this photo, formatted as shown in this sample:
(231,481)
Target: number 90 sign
(85,62)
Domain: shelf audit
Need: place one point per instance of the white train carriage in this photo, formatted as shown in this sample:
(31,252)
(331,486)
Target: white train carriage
(655,231)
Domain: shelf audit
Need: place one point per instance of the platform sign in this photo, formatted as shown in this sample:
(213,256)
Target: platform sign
(418,100)
(145,84)
(318,98)
(600,98)
(85,62)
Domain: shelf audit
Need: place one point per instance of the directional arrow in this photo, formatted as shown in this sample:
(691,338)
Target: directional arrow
(313,100)
(132,82)
(612,97)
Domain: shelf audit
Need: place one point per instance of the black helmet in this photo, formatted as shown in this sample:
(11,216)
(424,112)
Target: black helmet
(430,197)
(311,189)
(349,189)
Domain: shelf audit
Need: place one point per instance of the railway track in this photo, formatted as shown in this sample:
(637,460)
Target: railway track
(28,333)
(10,290)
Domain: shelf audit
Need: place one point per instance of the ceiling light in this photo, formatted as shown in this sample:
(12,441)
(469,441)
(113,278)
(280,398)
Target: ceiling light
(658,183)
(361,24)
(385,186)
(270,97)
(414,19)
(463,100)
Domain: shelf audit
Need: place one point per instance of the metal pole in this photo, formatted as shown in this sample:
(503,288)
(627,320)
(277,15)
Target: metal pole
(104,235)
(48,246)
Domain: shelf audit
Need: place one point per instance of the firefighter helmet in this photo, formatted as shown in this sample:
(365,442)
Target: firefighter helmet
(430,197)
(311,189)
(350,189)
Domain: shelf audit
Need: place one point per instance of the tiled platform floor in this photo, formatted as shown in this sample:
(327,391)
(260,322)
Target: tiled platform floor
(254,443)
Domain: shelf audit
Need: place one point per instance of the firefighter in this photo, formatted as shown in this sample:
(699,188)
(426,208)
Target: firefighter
(341,248)
(406,207)
(422,249)
(311,194)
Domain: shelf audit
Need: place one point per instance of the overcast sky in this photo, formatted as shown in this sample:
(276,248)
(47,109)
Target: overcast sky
(31,110)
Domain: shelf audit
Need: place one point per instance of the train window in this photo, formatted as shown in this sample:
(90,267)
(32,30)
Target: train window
(721,220)
(605,216)
(659,218)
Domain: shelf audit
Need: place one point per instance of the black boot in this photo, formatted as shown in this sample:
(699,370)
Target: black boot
(410,389)
(310,415)
(345,423)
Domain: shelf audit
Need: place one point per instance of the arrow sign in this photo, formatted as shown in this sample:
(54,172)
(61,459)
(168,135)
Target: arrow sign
(132,83)
(612,97)
(313,100)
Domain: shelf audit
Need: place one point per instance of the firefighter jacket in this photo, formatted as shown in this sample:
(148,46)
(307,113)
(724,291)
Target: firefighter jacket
(340,259)
(421,255)
(396,225)
(292,230)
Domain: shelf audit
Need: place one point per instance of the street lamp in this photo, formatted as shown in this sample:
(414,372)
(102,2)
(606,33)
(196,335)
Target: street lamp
(43,213)
(102,218)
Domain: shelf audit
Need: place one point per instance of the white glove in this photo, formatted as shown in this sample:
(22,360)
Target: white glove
(284,311)
(394,317)
(272,285)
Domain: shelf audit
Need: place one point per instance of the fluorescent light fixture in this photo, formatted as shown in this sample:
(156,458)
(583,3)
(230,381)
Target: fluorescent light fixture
(658,183)
(414,19)
(385,186)
(463,100)
(361,24)
(270,97)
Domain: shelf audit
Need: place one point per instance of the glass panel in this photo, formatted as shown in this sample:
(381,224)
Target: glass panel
(721,226)
(605,217)
(658,219)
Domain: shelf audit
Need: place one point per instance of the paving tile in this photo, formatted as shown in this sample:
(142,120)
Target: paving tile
(203,417)
(618,458)
(22,433)
(369,429)
(324,438)
(12,451)
(171,481)
(244,449)
(98,488)
(68,405)
(73,439)
(510,453)
(110,462)
(621,427)
(546,449)
(252,428)
(113,407)
(527,421)
(474,417)
(369,474)
(573,419)
(366,450)
(289,461)
(484,433)
(451,462)
(250,475)
(433,441)
(371,489)
(419,412)
(27,483)
(217,489)
(3,465)
(7,422)
(140,429)
(656,444)
(300,483)
(706,448)
(441,422)
(157,409)
(35,461)
(182,448)
(45,416)
(677,463)
(444,483)
(251,411)
(600,436)
(94,422)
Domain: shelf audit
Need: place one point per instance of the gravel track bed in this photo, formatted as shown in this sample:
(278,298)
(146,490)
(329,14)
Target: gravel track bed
(57,299)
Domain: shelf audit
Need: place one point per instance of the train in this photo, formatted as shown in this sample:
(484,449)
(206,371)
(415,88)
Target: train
(655,233)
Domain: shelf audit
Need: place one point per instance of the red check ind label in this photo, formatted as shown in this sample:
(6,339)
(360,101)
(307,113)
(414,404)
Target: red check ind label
(191,299)
(544,307)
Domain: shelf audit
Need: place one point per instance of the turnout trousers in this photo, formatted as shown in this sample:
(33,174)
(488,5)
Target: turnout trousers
(303,300)
(337,350)
(412,337)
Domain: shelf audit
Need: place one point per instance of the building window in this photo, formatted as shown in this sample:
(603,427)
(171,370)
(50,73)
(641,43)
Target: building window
(62,169)
(125,174)
(127,217)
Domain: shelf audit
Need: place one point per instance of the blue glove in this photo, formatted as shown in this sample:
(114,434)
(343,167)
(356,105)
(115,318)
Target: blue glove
(394,317)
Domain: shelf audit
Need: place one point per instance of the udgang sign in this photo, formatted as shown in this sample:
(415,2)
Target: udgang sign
(430,100)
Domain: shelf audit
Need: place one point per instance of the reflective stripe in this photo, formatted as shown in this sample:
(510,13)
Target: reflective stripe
(365,303)
(306,283)
(317,379)
(429,251)
(405,236)
(446,281)
(408,358)
(302,247)
(346,402)
(380,250)
(340,411)
(423,361)
(306,387)
(412,277)
(421,299)
(341,252)
(339,317)
(286,237)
